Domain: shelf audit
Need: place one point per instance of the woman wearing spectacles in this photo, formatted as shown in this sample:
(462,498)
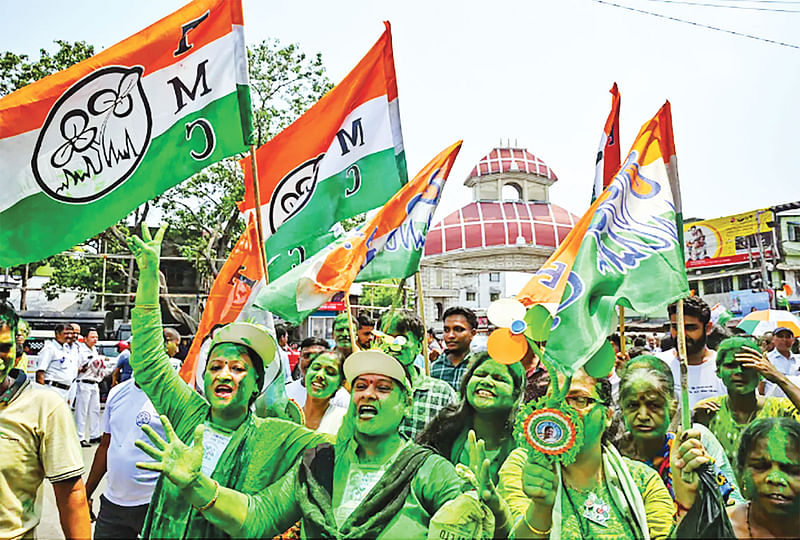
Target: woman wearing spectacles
(601,494)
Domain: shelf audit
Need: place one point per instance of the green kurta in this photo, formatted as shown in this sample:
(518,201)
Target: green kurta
(260,451)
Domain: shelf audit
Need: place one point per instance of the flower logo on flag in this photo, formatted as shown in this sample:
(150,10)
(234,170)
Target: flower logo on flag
(293,192)
(94,136)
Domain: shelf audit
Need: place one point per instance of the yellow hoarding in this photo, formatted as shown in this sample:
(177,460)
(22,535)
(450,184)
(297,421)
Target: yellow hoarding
(727,240)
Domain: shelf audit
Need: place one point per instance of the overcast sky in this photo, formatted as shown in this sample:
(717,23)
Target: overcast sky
(537,72)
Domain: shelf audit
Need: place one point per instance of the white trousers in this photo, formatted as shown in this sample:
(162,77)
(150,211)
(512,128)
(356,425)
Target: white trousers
(87,407)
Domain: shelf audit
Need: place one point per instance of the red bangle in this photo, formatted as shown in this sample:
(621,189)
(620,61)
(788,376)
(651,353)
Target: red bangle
(680,509)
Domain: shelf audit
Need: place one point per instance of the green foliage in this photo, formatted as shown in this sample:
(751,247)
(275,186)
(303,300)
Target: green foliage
(16,70)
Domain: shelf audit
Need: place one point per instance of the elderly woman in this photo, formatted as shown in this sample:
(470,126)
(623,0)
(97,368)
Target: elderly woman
(768,462)
(371,484)
(490,396)
(239,450)
(740,366)
(648,406)
(601,494)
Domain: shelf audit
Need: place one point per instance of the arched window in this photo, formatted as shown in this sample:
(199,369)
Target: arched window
(511,192)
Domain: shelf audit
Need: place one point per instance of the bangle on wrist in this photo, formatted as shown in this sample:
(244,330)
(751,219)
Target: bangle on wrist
(147,306)
(213,500)
(534,530)
(680,509)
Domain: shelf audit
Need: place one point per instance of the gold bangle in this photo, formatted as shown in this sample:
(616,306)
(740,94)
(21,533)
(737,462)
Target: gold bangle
(213,499)
(534,530)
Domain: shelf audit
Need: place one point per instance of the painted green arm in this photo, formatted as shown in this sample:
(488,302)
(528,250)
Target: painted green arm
(149,360)
(487,492)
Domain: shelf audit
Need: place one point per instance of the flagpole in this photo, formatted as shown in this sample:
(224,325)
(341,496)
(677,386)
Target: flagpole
(259,223)
(623,345)
(421,302)
(353,345)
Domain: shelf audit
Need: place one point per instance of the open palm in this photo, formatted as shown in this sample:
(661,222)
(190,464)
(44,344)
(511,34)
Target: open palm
(179,463)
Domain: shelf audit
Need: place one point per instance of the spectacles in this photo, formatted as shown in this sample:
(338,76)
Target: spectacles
(580,402)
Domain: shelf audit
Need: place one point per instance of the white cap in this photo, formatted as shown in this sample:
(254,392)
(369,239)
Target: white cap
(375,362)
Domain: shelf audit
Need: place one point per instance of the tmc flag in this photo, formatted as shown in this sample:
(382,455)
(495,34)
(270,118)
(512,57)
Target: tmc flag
(82,148)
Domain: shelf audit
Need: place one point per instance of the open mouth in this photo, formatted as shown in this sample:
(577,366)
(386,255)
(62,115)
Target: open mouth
(779,498)
(223,391)
(483,392)
(317,385)
(367,412)
(645,429)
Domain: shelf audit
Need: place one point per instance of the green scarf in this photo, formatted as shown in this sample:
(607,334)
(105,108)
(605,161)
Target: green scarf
(622,488)
(379,507)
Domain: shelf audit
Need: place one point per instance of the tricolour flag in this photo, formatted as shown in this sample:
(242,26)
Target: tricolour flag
(82,148)
(630,253)
(720,315)
(344,156)
(232,294)
(303,289)
(607,163)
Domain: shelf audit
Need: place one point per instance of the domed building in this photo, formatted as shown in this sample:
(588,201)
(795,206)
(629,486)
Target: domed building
(511,226)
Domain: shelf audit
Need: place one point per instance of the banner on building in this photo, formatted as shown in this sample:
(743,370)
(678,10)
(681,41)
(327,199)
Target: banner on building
(729,239)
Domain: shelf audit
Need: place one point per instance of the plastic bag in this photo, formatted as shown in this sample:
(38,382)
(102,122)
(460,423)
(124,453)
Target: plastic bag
(707,517)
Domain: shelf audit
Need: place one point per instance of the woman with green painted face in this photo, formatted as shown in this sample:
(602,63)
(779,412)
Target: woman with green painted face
(490,396)
(238,450)
(647,407)
(768,462)
(740,366)
(323,378)
(371,484)
(601,494)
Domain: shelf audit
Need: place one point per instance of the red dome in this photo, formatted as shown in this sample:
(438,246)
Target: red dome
(503,160)
(486,224)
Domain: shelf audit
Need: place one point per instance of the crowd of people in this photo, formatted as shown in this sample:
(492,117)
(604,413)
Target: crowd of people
(374,443)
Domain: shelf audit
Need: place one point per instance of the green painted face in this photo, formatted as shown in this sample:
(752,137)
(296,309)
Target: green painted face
(644,410)
(379,405)
(8,351)
(595,415)
(771,476)
(490,388)
(323,377)
(341,332)
(229,380)
(405,353)
(737,380)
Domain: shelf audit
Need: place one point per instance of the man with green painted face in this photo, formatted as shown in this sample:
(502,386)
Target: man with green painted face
(239,450)
(38,439)
(741,365)
(370,484)
(430,395)
(341,333)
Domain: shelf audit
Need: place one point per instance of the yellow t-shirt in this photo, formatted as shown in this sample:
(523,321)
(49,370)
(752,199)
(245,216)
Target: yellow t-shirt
(37,440)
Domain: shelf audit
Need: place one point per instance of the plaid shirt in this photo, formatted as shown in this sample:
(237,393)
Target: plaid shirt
(444,369)
(430,396)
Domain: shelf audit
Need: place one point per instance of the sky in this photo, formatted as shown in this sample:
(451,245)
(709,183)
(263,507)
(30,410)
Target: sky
(535,72)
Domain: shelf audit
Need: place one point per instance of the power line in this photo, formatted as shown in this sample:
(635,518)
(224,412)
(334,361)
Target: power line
(700,25)
(702,4)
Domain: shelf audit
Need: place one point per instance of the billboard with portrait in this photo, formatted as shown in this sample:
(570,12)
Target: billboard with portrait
(728,240)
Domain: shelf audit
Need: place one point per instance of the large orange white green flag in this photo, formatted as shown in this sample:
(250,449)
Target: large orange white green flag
(82,148)
(232,294)
(344,156)
(303,289)
(629,253)
(607,163)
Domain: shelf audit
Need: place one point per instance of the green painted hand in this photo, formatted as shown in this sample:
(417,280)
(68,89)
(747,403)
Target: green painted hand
(147,251)
(539,482)
(479,466)
(179,463)
(684,460)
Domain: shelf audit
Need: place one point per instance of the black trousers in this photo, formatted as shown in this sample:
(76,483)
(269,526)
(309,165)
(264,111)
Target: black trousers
(116,521)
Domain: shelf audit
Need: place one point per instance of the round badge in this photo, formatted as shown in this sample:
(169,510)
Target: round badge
(550,431)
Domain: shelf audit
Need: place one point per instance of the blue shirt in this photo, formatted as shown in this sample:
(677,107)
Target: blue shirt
(124,365)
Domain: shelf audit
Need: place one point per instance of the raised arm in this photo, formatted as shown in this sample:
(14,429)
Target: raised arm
(149,360)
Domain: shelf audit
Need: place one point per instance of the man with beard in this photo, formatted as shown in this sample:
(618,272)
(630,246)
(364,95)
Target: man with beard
(703,380)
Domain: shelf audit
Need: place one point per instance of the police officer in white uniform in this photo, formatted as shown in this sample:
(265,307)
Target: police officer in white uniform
(58,362)
(87,397)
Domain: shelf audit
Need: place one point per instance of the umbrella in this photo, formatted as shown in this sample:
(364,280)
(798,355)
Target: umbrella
(758,323)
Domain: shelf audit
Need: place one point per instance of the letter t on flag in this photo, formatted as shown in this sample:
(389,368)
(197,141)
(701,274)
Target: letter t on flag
(82,148)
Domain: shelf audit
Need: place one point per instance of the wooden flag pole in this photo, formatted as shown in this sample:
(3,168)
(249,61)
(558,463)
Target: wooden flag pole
(623,345)
(686,414)
(259,224)
(421,304)
(353,344)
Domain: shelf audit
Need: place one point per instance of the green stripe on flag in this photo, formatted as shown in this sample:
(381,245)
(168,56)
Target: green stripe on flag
(38,226)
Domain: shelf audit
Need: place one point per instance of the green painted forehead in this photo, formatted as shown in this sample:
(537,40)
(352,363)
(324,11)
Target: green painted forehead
(780,445)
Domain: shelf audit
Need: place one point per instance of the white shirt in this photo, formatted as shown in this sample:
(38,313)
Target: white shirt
(59,362)
(296,391)
(287,371)
(127,409)
(702,379)
(788,366)
(90,357)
